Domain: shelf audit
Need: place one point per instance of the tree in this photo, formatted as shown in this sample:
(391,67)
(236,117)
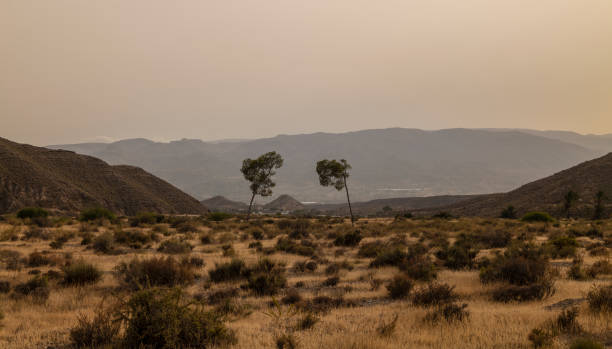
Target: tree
(334,173)
(569,199)
(259,172)
(600,197)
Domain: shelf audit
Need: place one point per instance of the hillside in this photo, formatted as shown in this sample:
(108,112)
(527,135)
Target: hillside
(547,194)
(222,204)
(284,203)
(386,163)
(33,176)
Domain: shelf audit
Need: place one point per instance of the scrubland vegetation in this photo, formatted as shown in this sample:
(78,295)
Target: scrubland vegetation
(157,281)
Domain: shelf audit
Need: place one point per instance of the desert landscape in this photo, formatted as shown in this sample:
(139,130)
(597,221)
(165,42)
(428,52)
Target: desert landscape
(304,282)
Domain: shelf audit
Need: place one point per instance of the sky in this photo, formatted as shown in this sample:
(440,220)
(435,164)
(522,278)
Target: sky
(78,71)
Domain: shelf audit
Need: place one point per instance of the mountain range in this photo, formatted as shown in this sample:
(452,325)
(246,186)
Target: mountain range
(386,163)
(64,180)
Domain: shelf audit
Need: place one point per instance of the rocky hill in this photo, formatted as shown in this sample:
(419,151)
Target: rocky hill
(33,176)
(284,203)
(547,194)
(222,204)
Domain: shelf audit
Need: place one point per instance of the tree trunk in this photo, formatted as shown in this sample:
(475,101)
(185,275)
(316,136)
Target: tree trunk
(348,198)
(250,205)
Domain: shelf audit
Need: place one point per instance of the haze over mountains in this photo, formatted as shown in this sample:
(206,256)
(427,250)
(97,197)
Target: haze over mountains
(386,163)
(34,176)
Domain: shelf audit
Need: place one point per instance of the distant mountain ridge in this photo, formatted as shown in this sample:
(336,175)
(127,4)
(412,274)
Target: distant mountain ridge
(547,194)
(284,203)
(386,163)
(33,176)
(222,204)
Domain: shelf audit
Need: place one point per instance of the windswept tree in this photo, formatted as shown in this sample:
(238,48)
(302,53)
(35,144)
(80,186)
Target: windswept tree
(600,198)
(259,172)
(334,173)
(568,202)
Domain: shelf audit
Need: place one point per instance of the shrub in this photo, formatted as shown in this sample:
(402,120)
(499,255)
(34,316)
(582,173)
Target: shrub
(586,343)
(5,287)
(37,259)
(540,337)
(399,287)
(331,281)
(532,217)
(600,299)
(449,313)
(218,216)
(266,278)
(37,288)
(307,321)
(59,242)
(419,268)
(162,318)
(389,256)
(81,273)
(96,214)
(156,271)
(292,297)
(349,239)
(286,341)
(562,247)
(103,243)
(536,291)
(100,331)
(601,267)
(434,294)
(508,213)
(134,239)
(175,246)
(233,270)
(567,321)
(304,248)
(457,257)
(146,218)
(519,265)
(371,249)
(32,212)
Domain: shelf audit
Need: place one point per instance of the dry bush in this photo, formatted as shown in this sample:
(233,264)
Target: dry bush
(175,246)
(230,271)
(101,330)
(434,294)
(80,273)
(156,271)
(399,287)
(266,277)
(535,291)
(37,288)
(447,312)
(600,299)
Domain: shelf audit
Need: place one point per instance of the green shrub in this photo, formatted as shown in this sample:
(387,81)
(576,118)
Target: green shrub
(156,271)
(134,239)
(399,287)
(95,214)
(371,249)
(520,265)
(162,318)
(81,273)
(390,256)
(562,247)
(32,212)
(457,257)
(533,217)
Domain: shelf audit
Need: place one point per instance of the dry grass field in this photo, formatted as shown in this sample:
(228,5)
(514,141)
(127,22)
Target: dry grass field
(308,283)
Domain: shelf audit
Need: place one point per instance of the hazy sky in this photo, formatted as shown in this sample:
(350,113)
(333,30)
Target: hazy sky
(75,70)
